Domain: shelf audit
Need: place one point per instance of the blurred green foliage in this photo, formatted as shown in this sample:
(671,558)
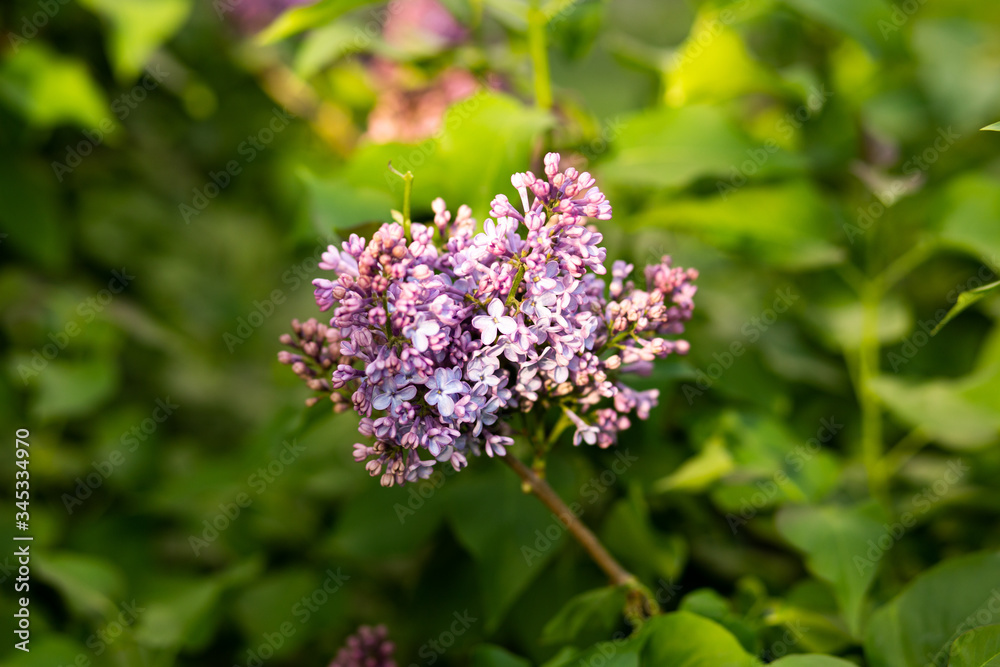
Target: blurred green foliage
(820,477)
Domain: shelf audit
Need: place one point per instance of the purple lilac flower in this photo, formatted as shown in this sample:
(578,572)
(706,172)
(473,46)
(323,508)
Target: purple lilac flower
(369,647)
(493,322)
(421,344)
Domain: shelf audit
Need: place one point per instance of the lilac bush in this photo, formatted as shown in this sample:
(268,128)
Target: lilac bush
(442,338)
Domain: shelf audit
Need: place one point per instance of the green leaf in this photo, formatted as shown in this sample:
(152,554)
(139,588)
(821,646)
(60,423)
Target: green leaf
(48,88)
(723,222)
(697,80)
(682,639)
(699,472)
(957,69)
(629,534)
(498,130)
(977,648)
(669,148)
(307,17)
(861,19)
(409,517)
(180,618)
(487,655)
(323,46)
(919,625)
(138,28)
(47,649)
(708,603)
(971,216)
(947,410)
(337,205)
(812,660)
(74,389)
(840,324)
(510,549)
(29,213)
(587,615)
(965,299)
(772,465)
(265,605)
(836,543)
(995,127)
(89,585)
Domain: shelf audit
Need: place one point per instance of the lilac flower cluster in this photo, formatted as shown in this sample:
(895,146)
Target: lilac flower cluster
(444,334)
(368,648)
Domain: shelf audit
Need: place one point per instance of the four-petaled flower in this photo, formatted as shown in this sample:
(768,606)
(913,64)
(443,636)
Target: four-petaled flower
(441,387)
(495,321)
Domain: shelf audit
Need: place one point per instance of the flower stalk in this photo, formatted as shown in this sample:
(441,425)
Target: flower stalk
(640,604)
(617,574)
(537,22)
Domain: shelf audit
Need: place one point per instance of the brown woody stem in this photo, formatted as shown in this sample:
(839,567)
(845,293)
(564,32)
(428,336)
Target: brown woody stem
(619,575)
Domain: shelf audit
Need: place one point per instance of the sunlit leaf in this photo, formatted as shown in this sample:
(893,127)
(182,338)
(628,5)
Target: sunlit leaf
(673,147)
(971,216)
(714,65)
(338,206)
(138,28)
(681,639)
(49,88)
(944,409)
(811,661)
(977,648)
(918,626)
(727,222)
(697,473)
(307,17)
(836,543)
